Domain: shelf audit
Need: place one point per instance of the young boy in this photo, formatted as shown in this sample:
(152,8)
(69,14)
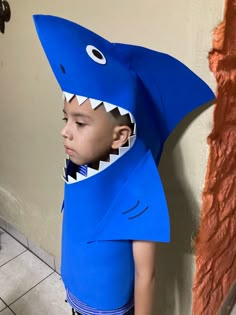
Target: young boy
(90,136)
(121,103)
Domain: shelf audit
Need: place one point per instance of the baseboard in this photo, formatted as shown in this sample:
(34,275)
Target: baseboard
(30,245)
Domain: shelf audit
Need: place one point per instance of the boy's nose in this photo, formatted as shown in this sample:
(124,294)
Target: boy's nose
(65,133)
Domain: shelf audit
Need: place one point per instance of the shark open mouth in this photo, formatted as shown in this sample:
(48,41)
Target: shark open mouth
(112,157)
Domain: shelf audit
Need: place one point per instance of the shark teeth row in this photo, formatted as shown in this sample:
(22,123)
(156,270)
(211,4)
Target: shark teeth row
(112,157)
(102,164)
(95,103)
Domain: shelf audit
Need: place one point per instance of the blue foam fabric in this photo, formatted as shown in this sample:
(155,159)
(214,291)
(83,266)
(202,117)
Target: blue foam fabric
(104,213)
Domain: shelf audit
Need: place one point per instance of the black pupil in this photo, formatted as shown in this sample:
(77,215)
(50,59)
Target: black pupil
(97,54)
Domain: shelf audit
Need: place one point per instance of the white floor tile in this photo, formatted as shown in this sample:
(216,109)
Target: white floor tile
(2,305)
(9,248)
(20,275)
(7,311)
(47,298)
(17,234)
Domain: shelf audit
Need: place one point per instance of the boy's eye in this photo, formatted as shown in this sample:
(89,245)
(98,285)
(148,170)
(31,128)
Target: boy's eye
(65,119)
(80,124)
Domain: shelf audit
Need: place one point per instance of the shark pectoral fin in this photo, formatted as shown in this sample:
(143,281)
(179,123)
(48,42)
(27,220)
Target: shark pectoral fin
(139,211)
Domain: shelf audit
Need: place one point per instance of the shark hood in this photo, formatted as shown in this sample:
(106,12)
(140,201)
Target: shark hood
(157,91)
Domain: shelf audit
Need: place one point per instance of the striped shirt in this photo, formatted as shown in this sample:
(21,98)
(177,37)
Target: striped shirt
(74,302)
(82,169)
(84,309)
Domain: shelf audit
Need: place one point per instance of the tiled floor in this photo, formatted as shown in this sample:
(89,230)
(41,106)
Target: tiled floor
(27,285)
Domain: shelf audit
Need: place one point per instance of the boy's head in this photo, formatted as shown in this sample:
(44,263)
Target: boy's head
(90,135)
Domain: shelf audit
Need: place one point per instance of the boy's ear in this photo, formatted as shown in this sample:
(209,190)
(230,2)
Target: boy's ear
(121,135)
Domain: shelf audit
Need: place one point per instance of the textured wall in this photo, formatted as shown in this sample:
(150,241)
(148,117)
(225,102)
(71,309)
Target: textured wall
(216,242)
(31,157)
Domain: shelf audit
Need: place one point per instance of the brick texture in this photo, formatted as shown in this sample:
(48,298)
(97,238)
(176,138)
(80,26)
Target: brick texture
(216,241)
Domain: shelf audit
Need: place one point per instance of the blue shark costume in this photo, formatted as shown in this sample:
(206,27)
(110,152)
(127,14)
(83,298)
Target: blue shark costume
(124,199)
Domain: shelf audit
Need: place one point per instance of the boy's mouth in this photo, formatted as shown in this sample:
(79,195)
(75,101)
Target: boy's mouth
(112,157)
(68,150)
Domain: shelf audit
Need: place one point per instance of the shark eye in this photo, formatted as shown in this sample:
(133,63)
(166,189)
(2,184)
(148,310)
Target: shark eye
(96,54)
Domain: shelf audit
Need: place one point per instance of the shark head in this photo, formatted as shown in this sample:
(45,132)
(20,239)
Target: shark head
(86,64)
(87,69)
(155,89)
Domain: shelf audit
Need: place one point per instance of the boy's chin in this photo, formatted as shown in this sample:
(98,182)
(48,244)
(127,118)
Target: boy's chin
(81,163)
(76,161)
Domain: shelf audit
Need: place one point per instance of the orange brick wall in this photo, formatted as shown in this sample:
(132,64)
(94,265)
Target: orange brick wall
(216,241)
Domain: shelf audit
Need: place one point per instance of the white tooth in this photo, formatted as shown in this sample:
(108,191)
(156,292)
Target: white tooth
(123,150)
(66,162)
(109,106)
(91,172)
(123,111)
(113,157)
(94,103)
(80,177)
(131,118)
(68,96)
(71,179)
(64,171)
(64,178)
(132,140)
(103,165)
(81,99)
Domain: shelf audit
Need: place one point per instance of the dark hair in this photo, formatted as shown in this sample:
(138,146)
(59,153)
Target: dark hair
(122,120)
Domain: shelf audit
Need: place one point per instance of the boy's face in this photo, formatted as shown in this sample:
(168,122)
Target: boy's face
(88,133)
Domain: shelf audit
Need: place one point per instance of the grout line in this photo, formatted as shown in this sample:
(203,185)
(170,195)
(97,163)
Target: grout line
(14,237)
(31,289)
(12,311)
(8,308)
(13,258)
(2,300)
(28,248)
(4,304)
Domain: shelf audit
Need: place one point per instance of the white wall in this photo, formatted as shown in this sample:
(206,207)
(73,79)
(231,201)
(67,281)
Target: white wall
(31,157)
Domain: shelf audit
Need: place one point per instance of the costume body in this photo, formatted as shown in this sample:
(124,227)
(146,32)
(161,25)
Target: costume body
(102,249)
(124,199)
